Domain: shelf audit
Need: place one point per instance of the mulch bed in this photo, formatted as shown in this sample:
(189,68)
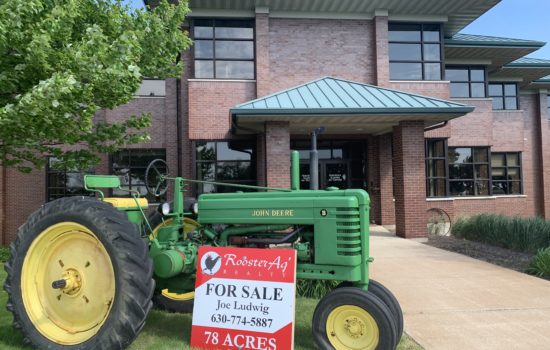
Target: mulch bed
(491,254)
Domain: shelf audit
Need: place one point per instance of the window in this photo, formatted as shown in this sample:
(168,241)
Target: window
(436,168)
(64,182)
(225,161)
(224,49)
(468,171)
(505,95)
(130,166)
(415,51)
(466,81)
(506,173)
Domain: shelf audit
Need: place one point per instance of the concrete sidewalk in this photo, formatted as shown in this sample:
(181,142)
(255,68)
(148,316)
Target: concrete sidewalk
(451,301)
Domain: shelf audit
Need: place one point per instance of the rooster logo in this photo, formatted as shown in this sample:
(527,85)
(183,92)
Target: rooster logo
(211,263)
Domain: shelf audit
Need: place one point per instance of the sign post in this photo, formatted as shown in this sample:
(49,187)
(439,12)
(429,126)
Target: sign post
(244,299)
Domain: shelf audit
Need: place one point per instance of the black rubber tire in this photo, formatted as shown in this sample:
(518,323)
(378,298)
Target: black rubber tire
(363,299)
(391,302)
(388,298)
(161,302)
(131,265)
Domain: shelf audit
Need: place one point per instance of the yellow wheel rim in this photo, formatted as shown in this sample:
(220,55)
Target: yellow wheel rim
(188,226)
(350,327)
(71,252)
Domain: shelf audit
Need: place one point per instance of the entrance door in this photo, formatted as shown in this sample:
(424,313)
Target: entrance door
(331,173)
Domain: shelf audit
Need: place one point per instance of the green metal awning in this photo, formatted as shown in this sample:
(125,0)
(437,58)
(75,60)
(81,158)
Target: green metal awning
(527,69)
(343,106)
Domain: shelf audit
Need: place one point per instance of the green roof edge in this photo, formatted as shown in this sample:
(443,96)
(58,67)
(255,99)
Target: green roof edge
(349,111)
(495,44)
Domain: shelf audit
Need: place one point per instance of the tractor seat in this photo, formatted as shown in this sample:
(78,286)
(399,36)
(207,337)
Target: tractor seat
(124,202)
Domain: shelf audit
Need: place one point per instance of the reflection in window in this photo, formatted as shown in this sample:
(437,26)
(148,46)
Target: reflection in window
(225,161)
(224,49)
(505,95)
(468,171)
(63,182)
(130,166)
(436,168)
(506,173)
(415,51)
(466,81)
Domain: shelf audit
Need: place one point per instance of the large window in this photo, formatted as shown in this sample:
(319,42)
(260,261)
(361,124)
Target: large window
(63,182)
(130,166)
(436,168)
(466,81)
(225,161)
(505,95)
(506,173)
(415,51)
(469,171)
(224,49)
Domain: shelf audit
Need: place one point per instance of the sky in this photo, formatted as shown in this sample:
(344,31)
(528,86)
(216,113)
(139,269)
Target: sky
(520,19)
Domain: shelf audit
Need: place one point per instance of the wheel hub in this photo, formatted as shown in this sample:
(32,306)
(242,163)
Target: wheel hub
(70,283)
(355,327)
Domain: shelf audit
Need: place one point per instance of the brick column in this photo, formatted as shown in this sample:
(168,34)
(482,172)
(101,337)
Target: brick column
(380,23)
(385,176)
(544,149)
(262,52)
(277,154)
(410,175)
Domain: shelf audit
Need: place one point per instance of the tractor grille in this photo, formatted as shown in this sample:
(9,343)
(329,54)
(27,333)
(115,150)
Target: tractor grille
(348,231)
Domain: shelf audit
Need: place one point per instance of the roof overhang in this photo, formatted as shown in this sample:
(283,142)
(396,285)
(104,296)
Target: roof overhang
(494,52)
(528,69)
(456,14)
(342,107)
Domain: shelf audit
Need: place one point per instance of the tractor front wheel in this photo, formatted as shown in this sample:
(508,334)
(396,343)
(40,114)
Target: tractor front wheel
(350,318)
(79,277)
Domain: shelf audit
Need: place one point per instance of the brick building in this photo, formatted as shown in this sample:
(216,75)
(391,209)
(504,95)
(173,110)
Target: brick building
(418,114)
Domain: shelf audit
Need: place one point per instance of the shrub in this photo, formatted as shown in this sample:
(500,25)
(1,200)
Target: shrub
(4,254)
(315,289)
(540,265)
(520,234)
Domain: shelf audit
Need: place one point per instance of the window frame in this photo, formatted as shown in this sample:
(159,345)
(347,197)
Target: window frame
(470,81)
(52,171)
(473,164)
(504,96)
(253,164)
(213,39)
(157,200)
(422,42)
(505,167)
(445,158)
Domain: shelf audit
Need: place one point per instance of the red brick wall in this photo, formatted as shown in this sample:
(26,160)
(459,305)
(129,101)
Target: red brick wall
(438,89)
(262,55)
(301,50)
(277,151)
(209,104)
(410,179)
(385,171)
(543,155)
(380,24)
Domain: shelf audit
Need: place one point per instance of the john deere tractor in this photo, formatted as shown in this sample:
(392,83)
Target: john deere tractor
(84,272)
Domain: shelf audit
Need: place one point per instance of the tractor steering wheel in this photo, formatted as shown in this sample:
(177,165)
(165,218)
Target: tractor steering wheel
(155,174)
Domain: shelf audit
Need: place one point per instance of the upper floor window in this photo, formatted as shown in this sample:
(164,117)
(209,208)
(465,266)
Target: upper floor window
(505,95)
(415,51)
(130,166)
(224,49)
(466,81)
(64,182)
(225,161)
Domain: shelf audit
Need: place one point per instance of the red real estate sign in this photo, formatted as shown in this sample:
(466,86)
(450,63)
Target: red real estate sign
(244,299)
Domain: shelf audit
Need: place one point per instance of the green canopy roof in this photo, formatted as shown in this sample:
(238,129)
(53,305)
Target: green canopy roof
(342,102)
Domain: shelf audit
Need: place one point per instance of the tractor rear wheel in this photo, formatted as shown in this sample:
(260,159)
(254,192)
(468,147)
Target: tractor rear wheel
(351,318)
(79,277)
(165,299)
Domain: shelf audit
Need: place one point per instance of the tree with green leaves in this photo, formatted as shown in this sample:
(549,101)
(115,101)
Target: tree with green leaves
(61,61)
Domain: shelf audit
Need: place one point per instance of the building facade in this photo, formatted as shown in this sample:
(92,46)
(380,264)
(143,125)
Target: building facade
(416,113)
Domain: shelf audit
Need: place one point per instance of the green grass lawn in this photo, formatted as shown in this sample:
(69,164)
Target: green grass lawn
(172,331)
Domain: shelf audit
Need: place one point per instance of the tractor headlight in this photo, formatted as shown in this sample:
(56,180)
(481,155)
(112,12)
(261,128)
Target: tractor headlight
(195,208)
(165,208)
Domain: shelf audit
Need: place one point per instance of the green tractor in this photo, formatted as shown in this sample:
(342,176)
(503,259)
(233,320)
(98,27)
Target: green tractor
(84,272)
